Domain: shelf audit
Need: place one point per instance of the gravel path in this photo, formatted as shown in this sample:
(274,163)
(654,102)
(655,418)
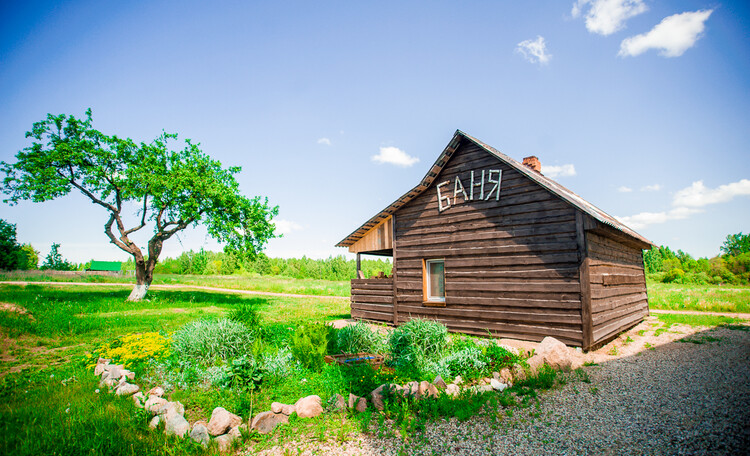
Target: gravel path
(676,399)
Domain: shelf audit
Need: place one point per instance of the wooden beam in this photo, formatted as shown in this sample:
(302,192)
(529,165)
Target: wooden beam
(584,276)
(394,270)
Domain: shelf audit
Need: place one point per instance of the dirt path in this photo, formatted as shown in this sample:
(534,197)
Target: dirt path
(178,287)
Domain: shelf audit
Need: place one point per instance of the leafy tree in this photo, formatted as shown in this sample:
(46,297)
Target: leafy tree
(8,246)
(55,261)
(736,244)
(28,258)
(172,189)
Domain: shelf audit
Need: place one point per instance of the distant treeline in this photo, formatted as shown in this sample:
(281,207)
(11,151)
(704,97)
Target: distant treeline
(731,267)
(220,263)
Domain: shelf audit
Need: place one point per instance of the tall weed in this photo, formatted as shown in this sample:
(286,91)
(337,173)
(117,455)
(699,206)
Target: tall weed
(207,341)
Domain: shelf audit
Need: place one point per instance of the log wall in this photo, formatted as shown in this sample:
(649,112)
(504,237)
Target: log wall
(372,299)
(618,286)
(511,266)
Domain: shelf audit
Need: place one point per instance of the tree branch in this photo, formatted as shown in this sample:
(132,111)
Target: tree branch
(143,218)
(91,196)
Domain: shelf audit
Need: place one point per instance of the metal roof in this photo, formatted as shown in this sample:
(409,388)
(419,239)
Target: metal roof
(552,186)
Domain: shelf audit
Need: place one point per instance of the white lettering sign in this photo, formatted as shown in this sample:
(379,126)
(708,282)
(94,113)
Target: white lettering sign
(444,201)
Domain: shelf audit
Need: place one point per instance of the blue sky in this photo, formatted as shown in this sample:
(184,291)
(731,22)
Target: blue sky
(639,106)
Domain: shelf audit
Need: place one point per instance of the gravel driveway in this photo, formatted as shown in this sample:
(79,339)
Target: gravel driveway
(678,398)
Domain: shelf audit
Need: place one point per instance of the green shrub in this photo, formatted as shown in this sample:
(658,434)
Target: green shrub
(417,341)
(673,275)
(246,314)
(466,362)
(245,373)
(207,341)
(280,364)
(498,357)
(309,345)
(359,338)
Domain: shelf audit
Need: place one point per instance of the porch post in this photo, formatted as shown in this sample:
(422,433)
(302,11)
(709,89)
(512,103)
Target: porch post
(358,265)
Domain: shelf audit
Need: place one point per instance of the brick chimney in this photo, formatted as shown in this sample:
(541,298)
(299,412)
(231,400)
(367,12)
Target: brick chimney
(533,163)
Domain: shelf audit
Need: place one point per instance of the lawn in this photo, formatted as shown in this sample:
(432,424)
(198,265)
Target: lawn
(43,361)
(46,356)
(274,284)
(711,298)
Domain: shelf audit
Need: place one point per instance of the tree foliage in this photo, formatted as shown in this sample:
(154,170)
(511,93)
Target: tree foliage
(736,244)
(54,260)
(171,189)
(664,265)
(12,254)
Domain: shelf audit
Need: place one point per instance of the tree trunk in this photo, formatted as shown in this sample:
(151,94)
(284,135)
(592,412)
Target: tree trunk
(142,281)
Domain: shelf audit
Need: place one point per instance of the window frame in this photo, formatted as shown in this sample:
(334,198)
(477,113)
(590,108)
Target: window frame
(427,298)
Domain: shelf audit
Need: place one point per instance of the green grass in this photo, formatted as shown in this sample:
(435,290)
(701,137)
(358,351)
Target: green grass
(712,298)
(274,284)
(80,319)
(697,320)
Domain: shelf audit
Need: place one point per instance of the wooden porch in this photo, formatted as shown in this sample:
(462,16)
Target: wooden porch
(372,299)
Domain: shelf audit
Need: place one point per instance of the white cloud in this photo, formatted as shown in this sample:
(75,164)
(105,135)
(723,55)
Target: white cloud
(559,171)
(535,51)
(394,156)
(286,226)
(651,188)
(687,202)
(645,219)
(624,189)
(605,17)
(698,195)
(672,36)
(324,141)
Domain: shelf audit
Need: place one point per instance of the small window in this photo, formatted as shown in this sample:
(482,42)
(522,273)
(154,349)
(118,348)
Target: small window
(434,281)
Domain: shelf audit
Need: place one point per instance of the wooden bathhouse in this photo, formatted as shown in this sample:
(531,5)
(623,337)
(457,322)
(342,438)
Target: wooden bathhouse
(488,245)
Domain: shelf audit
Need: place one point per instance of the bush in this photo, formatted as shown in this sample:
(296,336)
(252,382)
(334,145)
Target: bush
(498,357)
(359,338)
(280,364)
(417,341)
(246,314)
(244,373)
(207,341)
(309,345)
(673,275)
(466,362)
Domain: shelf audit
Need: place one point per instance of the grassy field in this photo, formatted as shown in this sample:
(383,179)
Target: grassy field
(275,284)
(705,298)
(42,359)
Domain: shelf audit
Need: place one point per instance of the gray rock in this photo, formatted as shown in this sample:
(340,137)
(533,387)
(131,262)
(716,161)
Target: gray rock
(157,391)
(221,421)
(225,442)
(115,371)
(481,389)
(497,385)
(427,389)
(506,376)
(176,424)
(154,423)
(452,390)
(200,434)
(309,407)
(139,399)
(352,401)
(458,380)
(535,362)
(266,422)
(439,382)
(556,354)
(361,405)
(99,369)
(339,403)
(377,397)
(153,404)
(170,409)
(276,407)
(412,389)
(126,389)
